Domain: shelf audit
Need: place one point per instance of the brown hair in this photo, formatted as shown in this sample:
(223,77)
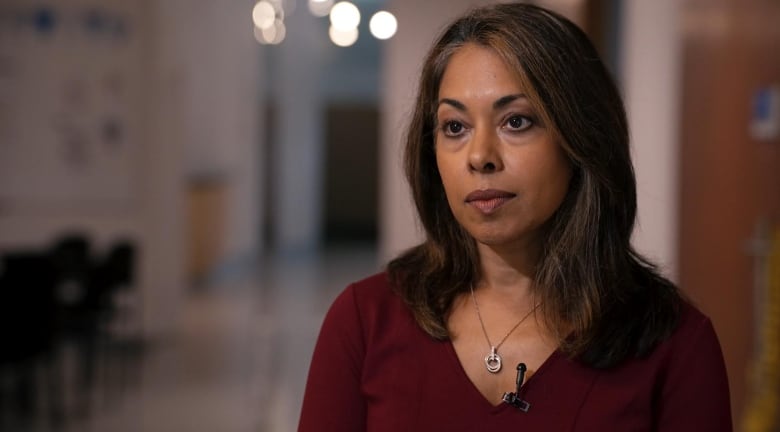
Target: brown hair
(604,301)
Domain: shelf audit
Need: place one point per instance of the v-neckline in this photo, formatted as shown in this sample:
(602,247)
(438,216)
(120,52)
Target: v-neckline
(475,390)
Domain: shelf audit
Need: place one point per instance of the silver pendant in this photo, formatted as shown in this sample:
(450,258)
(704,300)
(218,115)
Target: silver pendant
(493,361)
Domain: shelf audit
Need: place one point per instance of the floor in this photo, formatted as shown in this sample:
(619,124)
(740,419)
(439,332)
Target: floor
(238,361)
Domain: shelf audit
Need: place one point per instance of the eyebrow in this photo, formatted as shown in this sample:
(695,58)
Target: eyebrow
(506,100)
(457,104)
(500,103)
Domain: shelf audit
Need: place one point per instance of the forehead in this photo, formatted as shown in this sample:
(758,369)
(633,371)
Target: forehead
(474,70)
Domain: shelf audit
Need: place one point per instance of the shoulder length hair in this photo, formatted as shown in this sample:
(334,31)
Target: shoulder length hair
(602,300)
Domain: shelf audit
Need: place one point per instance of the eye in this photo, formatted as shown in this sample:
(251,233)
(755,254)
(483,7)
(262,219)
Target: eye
(452,128)
(519,123)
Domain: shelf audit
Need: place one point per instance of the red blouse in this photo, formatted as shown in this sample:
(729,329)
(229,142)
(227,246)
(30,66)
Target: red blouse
(374,369)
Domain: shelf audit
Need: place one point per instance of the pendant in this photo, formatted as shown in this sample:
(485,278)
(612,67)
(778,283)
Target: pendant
(493,361)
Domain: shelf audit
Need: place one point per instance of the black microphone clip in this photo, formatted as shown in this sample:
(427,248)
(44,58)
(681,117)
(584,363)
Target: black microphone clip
(513,398)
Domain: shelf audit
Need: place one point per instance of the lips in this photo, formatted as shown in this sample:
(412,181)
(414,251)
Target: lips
(488,200)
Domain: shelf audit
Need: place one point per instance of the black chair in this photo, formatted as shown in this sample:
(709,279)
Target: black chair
(27,330)
(77,304)
(27,305)
(113,274)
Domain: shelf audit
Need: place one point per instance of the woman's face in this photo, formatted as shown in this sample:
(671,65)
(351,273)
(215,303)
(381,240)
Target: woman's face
(503,173)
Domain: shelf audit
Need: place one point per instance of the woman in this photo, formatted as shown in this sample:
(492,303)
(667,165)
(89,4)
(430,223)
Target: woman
(526,306)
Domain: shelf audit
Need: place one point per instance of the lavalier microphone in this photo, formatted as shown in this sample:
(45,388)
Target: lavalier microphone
(513,398)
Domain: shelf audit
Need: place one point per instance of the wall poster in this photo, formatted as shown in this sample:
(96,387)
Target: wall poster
(71,76)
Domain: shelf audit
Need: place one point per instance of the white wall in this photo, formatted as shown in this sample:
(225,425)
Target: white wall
(218,61)
(298,155)
(652,67)
(150,210)
(189,104)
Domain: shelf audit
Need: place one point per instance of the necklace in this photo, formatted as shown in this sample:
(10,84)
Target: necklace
(493,359)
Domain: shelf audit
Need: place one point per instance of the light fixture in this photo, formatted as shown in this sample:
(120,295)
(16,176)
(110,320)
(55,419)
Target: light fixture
(320,8)
(268,17)
(343,38)
(263,14)
(344,16)
(383,25)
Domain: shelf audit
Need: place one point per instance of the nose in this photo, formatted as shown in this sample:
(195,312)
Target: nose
(484,155)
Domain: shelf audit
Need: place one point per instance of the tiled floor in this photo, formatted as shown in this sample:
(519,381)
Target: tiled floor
(238,361)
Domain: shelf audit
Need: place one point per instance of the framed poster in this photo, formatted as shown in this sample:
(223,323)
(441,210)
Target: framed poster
(71,86)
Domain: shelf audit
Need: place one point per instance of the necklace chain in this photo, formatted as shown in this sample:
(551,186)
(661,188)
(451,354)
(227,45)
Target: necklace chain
(493,360)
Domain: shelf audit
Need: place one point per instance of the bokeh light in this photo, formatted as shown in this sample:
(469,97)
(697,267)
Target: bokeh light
(344,16)
(383,25)
(272,35)
(263,15)
(343,38)
(320,8)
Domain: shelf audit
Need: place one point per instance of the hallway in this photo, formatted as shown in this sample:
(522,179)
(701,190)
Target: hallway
(237,362)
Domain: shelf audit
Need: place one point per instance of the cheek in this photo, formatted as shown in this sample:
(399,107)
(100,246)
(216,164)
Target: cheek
(444,171)
(449,179)
(545,176)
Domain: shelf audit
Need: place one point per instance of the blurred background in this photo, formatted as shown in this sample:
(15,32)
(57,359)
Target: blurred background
(185,185)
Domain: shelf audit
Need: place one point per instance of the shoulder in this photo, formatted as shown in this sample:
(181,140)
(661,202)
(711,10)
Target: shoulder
(679,385)
(691,376)
(691,349)
(693,338)
(369,295)
(374,288)
(692,326)
(694,345)
(694,374)
(369,302)
(351,317)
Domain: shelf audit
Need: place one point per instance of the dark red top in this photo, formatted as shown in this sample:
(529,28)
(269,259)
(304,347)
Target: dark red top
(374,369)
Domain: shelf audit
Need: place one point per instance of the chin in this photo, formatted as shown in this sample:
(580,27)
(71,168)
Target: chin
(496,238)
(493,238)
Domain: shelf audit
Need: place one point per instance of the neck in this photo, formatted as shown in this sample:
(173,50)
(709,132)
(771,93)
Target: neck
(507,274)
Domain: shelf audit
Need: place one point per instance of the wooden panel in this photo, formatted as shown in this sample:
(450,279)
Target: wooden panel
(729,180)
(206,226)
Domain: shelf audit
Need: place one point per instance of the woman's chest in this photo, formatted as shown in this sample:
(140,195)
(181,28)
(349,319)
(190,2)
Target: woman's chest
(411,385)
